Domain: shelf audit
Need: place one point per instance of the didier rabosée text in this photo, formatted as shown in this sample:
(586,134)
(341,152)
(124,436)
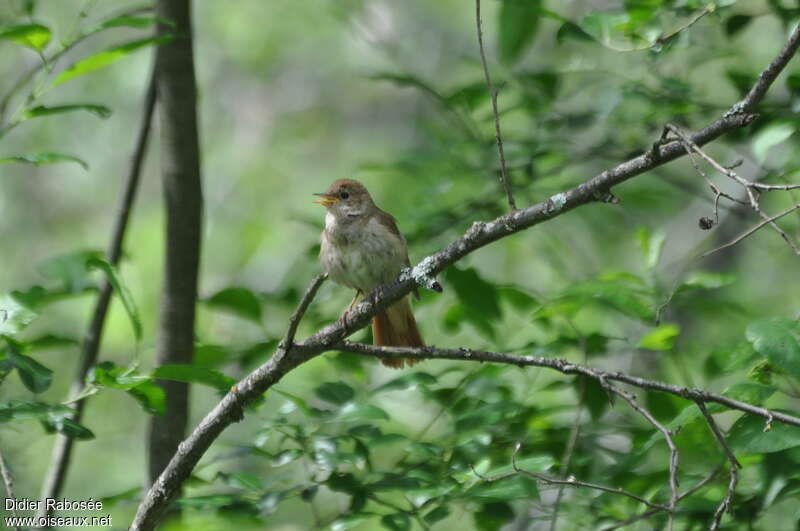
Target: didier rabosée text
(52,504)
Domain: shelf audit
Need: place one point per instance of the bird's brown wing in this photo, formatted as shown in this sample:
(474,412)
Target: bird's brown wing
(388,221)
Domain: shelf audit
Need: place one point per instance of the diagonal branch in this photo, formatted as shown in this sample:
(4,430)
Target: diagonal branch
(62,449)
(297,316)
(8,483)
(229,409)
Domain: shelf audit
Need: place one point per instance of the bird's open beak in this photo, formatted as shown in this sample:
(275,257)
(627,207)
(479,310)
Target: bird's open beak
(327,199)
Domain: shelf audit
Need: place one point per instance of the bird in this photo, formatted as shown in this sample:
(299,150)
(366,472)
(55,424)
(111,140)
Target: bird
(362,248)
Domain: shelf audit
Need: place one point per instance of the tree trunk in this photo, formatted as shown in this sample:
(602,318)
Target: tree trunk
(180,167)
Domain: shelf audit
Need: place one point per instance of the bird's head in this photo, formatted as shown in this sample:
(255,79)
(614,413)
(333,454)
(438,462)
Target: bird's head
(346,198)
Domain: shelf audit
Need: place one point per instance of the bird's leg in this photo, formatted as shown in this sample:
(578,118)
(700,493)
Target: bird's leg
(350,306)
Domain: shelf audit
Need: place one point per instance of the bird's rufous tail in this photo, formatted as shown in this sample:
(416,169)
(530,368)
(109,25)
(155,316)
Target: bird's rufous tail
(396,327)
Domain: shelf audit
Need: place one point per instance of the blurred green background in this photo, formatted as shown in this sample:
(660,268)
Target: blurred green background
(294,94)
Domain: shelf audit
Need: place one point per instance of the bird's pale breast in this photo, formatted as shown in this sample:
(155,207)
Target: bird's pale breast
(361,254)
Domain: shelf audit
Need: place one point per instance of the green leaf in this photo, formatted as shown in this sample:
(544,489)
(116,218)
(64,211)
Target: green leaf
(763,372)
(285,457)
(396,522)
(407,381)
(601,25)
(108,374)
(533,463)
(36,377)
(34,36)
(742,81)
(474,291)
(151,397)
(395,482)
(54,418)
(140,387)
(39,159)
(625,293)
(468,96)
(770,137)
(239,301)
(14,315)
(596,398)
(353,411)
(211,501)
(439,513)
(749,435)
(107,57)
(751,392)
(518,298)
(26,410)
(493,516)
(661,338)
(707,280)
(350,521)
(68,428)
(243,481)
(571,31)
(519,23)
(51,341)
(338,393)
(70,269)
(325,453)
(425,450)
(41,110)
(194,374)
(128,495)
(129,21)
(210,355)
(737,23)
(651,245)
(479,301)
(511,488)
(122,291)
(343,482)
(778,340)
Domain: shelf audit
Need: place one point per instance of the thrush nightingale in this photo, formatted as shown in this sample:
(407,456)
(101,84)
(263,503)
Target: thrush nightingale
(362,248)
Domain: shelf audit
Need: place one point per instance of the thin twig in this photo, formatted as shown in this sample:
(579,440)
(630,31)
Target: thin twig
(712,424)
(565,367)
(647,514)
(62,449)
(663,37)
(725,504)
(746,184)
(572,482)
(8,482)
(673,450)
(566,458)
(493,94)
(297,316)
(771,187)
(751,231)
(734,465)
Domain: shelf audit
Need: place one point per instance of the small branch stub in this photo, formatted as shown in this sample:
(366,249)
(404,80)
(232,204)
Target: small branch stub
(421,273)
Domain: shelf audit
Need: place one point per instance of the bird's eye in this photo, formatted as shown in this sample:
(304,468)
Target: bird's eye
(344,195)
